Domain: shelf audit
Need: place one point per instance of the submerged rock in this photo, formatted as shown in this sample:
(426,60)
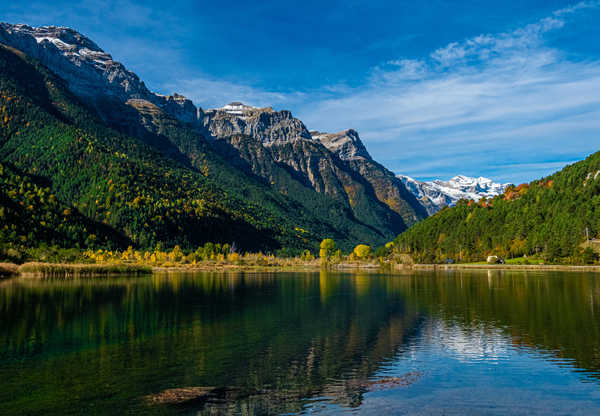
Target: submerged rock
(201,396)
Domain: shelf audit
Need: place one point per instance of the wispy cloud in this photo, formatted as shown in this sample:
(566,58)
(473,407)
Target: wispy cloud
(469,104)
(207,92)
(510,105)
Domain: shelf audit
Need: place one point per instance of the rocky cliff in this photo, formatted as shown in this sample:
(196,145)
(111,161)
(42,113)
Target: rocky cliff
(264,124)
(338,165)
(387,187)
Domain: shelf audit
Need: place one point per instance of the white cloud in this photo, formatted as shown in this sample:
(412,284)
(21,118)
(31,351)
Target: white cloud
(579,6)
(207,92)
(407,69)
(466,106)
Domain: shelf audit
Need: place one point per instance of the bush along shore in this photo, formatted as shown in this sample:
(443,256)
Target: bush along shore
(37,269)
(49,262)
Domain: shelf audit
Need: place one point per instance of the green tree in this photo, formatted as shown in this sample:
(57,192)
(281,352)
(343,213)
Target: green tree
(589,256)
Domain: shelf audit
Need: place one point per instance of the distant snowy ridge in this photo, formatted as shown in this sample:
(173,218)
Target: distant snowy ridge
(434,195)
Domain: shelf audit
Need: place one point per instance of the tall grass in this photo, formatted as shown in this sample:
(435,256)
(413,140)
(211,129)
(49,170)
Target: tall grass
(75,270)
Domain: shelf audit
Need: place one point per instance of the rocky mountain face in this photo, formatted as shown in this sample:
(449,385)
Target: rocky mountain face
(337,164)
(270,145)
(89,72)
(435,195)
(390,190)
(264,124)
(346,144)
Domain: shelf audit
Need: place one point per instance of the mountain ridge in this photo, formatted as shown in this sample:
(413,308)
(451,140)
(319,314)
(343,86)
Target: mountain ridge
(290,145)
(436,194)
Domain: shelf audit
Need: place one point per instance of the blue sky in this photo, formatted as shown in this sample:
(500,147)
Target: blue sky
(508,90)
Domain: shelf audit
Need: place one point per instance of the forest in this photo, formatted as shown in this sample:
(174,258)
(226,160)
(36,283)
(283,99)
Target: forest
(551,219)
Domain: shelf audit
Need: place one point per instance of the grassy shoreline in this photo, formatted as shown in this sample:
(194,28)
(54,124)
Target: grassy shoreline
(39,269)
(8,270)
(79,270)
(70,270)
(523,267)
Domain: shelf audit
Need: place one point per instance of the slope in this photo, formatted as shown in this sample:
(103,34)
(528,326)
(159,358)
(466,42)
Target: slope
(547,217)
(30,214)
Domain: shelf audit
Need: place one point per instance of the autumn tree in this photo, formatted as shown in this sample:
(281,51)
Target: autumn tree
(327,249)
(362,251)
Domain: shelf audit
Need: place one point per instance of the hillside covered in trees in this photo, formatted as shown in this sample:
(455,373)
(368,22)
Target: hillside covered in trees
(547,218)
(70,179)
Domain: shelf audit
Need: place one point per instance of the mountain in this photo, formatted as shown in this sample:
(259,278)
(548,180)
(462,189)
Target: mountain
(348,147)
(254,172)
(130,188)
(434,195)
(548,217)
(111,179)
(284,142)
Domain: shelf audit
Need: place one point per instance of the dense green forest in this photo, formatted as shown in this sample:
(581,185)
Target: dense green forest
(30,212)
(121,190)
(546,218)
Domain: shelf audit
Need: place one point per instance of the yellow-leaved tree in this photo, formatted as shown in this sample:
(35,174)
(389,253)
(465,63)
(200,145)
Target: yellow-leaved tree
(327,249)
(362,251)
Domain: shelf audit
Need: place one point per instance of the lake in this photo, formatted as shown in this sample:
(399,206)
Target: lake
(476,342)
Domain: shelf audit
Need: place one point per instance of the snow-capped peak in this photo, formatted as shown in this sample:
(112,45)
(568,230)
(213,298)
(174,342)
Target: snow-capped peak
(63,37)
(237,108)
(436,194)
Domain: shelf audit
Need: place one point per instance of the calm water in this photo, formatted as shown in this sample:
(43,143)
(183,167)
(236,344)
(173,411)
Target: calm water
(449,343)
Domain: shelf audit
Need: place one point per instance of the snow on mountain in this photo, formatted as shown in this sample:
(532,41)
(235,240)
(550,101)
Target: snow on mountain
(90,72)
(237,108)
(434,195)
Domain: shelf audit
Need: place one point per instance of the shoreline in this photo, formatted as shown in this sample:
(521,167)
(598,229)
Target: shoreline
(520,267)
(68,270)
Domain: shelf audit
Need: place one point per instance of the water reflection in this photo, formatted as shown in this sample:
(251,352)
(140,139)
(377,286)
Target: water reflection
(285,342)
(553,313)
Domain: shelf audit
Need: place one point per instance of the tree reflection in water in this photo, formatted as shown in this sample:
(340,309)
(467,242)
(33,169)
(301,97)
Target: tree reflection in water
(270,342)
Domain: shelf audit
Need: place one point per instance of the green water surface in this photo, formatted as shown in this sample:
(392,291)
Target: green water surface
(472,342)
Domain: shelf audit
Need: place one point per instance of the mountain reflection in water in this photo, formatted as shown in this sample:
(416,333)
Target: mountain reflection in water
(260,343)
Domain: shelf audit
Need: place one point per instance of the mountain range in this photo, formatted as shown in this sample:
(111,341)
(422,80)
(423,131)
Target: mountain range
(156,169)
(554,219)
(91,158)
(436,194)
